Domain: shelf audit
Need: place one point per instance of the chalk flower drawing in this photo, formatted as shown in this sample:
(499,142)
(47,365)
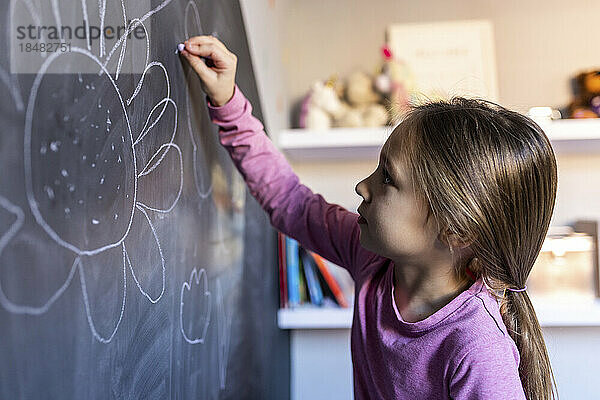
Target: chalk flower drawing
(90,170)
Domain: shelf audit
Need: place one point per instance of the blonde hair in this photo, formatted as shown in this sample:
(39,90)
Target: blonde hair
(489,175)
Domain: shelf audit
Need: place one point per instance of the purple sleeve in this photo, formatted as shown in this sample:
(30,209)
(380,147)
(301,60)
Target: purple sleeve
(327,229)
(488,371)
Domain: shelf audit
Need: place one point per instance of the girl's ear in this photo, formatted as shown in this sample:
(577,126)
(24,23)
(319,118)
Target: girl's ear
(454,240)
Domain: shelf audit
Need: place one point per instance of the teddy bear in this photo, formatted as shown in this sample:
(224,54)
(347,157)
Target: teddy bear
(586,91)
(339,104)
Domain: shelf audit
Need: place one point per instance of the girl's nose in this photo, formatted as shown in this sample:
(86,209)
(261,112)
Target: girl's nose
(361,190)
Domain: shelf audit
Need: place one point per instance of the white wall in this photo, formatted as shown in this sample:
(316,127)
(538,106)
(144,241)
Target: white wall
(539,45)
(262,19)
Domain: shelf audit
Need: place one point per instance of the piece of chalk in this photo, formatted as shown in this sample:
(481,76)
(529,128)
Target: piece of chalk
(208,60)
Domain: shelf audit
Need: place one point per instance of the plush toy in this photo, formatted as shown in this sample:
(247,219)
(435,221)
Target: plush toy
(359,90)
(395,81)
(375,115)
(352,118)
(586,91)
(321,106)
(371,115)
(325,106)
(365,100)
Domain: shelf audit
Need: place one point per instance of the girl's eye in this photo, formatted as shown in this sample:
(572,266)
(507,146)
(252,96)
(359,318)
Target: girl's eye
(387,179)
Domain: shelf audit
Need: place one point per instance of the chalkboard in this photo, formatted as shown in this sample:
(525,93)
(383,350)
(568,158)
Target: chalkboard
(133,261)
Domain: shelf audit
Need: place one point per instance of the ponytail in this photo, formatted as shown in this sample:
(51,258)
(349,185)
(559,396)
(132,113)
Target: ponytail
(524,328)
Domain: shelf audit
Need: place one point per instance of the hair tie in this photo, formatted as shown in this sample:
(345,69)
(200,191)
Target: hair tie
(517,290)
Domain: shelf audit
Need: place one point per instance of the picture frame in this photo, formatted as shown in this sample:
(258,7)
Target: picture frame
(447,58)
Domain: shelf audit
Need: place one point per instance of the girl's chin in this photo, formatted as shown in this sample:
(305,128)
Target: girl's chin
(367,244)
(363,241)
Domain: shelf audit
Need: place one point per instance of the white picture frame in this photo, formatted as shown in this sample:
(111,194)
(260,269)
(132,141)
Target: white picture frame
(448,58)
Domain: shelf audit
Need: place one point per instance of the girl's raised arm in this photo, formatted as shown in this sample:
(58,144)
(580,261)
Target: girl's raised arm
(325,228)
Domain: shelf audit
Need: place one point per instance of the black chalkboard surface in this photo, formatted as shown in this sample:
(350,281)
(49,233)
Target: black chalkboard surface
(133,261)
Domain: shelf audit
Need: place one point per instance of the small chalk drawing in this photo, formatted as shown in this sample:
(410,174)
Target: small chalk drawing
(198,281)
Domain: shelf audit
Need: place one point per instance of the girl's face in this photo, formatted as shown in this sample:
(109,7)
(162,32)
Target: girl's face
(396,224)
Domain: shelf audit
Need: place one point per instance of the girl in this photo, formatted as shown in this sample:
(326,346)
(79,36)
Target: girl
(450,225)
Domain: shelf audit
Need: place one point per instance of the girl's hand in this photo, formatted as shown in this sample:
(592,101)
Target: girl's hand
(217,78)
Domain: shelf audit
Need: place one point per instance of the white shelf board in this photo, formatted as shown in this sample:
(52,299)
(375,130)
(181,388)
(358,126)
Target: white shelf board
(550,313)
(573,135)
(567,135)
(335,143)
(572,129)
(565,313)
(314,318)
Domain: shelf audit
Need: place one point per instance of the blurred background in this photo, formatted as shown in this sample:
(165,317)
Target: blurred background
(328,71)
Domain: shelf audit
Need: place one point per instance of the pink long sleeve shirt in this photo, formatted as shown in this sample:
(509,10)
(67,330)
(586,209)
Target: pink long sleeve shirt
(462,351)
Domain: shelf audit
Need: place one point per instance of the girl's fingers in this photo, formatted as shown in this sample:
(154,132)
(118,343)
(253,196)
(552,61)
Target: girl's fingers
(198,65)
(201,49)
(218,81)
(220,58)
(205,39)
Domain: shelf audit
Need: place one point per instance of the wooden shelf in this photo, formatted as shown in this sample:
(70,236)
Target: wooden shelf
(551,312)
(567,136)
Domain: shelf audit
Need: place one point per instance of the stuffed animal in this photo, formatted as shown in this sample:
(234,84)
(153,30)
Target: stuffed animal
(586,91)
(371,115)
(364,99)
(324,108)
(352,118)
(321,106)
(359,90)
(395,81)
(375,115)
